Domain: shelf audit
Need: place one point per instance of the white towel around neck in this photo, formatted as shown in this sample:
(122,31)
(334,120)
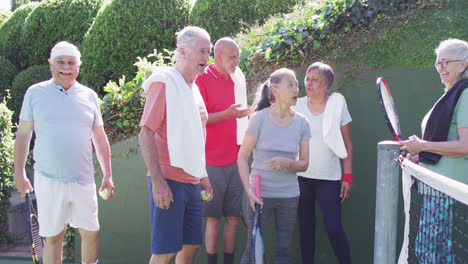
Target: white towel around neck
(185,137)
(240,94)
(331,126)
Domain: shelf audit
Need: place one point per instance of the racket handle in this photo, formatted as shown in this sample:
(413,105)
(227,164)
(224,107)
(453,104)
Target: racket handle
(257,185)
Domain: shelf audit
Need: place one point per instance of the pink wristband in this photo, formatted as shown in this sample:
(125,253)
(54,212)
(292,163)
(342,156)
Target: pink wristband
(348,177)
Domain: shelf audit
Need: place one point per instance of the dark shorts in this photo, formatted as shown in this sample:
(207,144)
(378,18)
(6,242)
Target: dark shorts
(181,224)
(228,190)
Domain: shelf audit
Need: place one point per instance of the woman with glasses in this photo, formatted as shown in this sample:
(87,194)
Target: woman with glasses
(443,149)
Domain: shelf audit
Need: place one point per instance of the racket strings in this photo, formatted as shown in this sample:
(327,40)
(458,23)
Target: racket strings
(38,243)
(37,247)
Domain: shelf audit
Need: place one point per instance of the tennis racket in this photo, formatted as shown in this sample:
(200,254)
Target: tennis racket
(388,108)
(258,249)
(37,244)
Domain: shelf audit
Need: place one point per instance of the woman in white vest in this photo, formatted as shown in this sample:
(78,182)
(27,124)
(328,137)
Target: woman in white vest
(330,125)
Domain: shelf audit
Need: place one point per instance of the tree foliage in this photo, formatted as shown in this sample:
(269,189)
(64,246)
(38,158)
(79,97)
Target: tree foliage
(4,15)
(229,17)
(21,83)
(7,72)
(46,26)
(6,169)
(124,30)
(223,18)
(11,42)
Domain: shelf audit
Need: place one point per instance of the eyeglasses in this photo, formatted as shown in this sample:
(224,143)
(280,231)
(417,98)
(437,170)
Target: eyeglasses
(443,63)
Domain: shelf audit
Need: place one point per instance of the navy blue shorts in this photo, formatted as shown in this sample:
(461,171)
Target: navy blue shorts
(181,224)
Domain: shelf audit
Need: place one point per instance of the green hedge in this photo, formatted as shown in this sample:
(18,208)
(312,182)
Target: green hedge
(4,15)
(6,170)
(229,17)
(266,8)
(11,43)
(7,72)
(124,30)
(54,21)
(21,83)
(14,4)
(223,17)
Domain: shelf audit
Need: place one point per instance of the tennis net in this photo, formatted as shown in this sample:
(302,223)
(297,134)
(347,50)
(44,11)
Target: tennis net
(436,217)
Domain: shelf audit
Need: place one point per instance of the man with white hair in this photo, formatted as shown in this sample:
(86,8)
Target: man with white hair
(223,89)
(172,142)
(66,119)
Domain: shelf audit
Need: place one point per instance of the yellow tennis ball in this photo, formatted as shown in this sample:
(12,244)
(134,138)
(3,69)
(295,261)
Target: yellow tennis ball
(104,193)
(204,195)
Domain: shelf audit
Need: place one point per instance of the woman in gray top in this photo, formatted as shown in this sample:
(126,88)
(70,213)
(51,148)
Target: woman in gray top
(279,138)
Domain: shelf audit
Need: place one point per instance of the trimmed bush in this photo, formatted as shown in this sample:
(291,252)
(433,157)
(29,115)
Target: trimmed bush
(266,8)
(223,18)
(229,17)
(6,170)
(54,21)
(124,30)
(7,72)
(14,4)
(11,43)
(4,15)
(21,83)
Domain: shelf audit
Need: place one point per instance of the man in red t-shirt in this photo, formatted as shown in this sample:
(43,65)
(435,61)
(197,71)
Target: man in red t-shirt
(173,151)
(217,90)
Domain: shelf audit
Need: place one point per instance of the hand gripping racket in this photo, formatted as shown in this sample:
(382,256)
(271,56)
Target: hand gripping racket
(37,244)
(388,108)
(258,249)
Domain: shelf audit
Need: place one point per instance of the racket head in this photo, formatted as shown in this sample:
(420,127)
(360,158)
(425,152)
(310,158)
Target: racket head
(259,247)
(388,108)
(37,243)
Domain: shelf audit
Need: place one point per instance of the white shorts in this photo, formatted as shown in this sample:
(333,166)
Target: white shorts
(61,203)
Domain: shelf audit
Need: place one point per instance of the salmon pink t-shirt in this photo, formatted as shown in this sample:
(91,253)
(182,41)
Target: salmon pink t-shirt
(154,118)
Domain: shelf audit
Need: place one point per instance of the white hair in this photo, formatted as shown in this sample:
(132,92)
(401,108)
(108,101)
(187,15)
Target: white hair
(64,48)
(187,38)
(457,47)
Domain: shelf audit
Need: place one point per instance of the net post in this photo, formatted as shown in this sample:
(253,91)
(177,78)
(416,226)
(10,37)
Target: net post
(386,202)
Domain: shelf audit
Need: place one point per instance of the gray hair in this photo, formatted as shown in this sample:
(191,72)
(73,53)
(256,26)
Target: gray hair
(457,47)
(188,36)
(325,70)
(264,96)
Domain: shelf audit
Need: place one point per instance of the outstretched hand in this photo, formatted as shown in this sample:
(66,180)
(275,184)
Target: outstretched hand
(236,111)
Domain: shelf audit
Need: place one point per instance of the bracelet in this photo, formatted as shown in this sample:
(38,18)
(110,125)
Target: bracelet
(348,177)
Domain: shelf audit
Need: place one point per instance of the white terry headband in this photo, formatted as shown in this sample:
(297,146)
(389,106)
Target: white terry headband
(65,49)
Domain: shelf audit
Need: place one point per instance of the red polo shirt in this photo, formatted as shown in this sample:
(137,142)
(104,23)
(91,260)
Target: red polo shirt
(221,137)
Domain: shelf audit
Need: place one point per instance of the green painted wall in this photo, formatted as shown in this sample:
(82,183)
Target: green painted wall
(124,220)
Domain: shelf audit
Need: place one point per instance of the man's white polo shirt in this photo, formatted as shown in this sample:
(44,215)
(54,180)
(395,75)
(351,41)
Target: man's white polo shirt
(63,122)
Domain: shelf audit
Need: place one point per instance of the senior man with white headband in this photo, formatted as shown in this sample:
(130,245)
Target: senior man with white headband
(66,119)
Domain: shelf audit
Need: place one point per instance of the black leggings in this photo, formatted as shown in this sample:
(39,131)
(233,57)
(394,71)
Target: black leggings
(327,193)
